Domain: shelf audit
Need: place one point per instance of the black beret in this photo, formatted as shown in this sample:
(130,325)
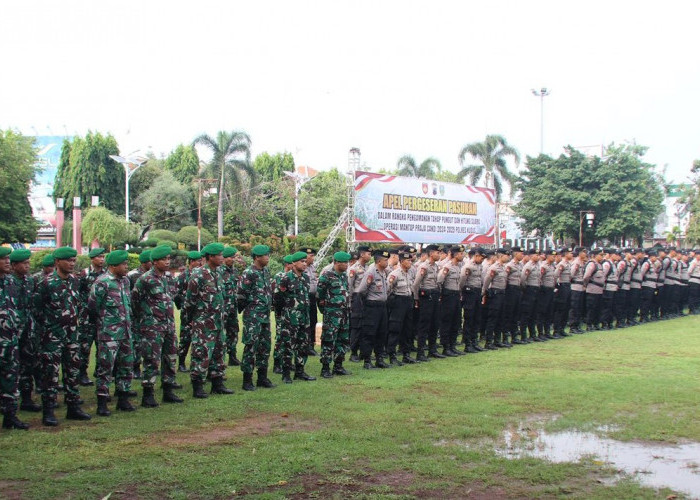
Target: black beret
(515,249)
(364,249)
(430,248)
(380,253)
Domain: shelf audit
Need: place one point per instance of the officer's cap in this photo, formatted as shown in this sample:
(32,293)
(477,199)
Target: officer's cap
(47,261)
(551,251)
(354,255)
(564,250)
(96,252)
(161,252)
(393,251)
(652,252)
(20,255)
(194,255)
(341,257)
(307,250)
(404,255)
(380,254)
(64,253)
(594,251)
(430,248)
(457,248)
(533,251)
(145,256)
(116,257)
(260,250)
(488,252)
(503,251)
(515,249)
(364,249)
(578,250)
(230,251)
(287,259)
(297,256)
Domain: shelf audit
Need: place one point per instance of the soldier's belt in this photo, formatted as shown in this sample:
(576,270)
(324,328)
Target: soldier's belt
(577,282)
(496,291)
(429,291)
(375,303)
(450,292)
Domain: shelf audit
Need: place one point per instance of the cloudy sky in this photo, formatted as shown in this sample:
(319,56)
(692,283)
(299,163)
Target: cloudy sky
(391,77)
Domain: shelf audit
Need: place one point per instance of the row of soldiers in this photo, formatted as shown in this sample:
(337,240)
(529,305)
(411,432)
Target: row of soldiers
(50,321)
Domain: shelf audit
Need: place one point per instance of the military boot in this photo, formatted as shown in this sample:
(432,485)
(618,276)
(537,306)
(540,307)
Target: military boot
(74,412)
(84,380)
(263,381)
(339,370)
(285,376)
(181,365)
(27,403)
(368,365)
(48,418)
(300,374)
(123,402)
(218,387)
(421,357)
(433,353)
(137,370)
(394,361)
(248,382)
(169,396)
(10,420)
(277,367)
(447,352)
(148,400)
(102,409)
(326,371)
(233,360)
(198,390)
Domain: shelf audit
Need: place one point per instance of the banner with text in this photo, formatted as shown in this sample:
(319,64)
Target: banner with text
(396,209)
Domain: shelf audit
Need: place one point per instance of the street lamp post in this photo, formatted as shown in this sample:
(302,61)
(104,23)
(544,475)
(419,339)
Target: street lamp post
(299,181)
(128,172)
(542,93)
(590,219)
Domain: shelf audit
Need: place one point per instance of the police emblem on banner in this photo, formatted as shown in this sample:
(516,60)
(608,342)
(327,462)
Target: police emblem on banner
(425,188)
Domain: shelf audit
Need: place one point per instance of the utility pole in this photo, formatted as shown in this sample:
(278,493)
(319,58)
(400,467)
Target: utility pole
(199,210)
(542,93)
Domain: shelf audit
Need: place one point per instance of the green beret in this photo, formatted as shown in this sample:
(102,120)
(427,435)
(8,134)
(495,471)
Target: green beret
(260,250)
(287,259)
(20,255)
(341,257)
(145,256)
(64,253)
(5,251)
(96,252)
(230,251)
(213,249)
(194,255)
(161,252)
(117,257)
(296,257)
(47,261)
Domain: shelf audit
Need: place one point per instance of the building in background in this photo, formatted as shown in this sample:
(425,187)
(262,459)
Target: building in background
(675,217)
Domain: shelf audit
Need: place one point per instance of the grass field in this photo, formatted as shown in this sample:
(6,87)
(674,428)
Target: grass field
(419,431)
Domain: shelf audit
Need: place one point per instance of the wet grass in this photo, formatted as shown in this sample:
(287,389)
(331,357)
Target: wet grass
(381,433)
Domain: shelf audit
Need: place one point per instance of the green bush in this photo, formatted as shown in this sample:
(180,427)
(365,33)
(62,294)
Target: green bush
(162,234)
(188,235)
(172,244)
(133,261)
(150,242)
(36,258)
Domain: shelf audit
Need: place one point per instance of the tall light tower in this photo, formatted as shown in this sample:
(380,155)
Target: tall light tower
(130,161)
(299,181)
(542,93)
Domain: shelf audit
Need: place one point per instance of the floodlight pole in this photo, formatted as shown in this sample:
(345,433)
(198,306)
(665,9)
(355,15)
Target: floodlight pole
(542,93)
(299,181)
(128,172)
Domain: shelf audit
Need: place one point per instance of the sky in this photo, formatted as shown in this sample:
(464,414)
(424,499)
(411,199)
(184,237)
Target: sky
(316,78)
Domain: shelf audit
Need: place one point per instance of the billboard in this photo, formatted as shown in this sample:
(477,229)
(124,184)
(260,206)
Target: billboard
(393,209)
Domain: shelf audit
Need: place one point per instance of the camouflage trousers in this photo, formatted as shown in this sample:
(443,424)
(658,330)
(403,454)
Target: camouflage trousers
(185,335)
(115,361)
(277,353)
(294,344)
(207,355)
(159,351)
(87,337)
(136,342)
(335,337)
(231,327)
(60,352)
(256,344)
(29,365)
(9,369)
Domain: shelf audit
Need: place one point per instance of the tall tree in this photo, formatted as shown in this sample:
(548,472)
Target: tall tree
(272,167)
(692,200)
(109,229)
(321,202)
(17,170)
(230,157)
(492,155)
(167,204)
(429,168)
(183,162)
(91,172)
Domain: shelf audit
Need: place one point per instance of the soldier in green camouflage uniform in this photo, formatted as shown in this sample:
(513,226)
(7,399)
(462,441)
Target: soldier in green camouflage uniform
(134,275)
(57,303)
(194,260)
(333,300)
(204,304)
(86,328)
(47,267)
(255,300)
(153,307)
(110,306)
(229,281)
(292,298)
(29,367)
(10,324)
(277,352)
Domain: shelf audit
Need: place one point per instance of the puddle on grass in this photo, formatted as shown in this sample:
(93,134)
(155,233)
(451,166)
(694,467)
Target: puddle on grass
(675,467)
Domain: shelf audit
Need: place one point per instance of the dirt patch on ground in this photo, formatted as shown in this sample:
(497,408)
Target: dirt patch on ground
(12,490)
(252,425)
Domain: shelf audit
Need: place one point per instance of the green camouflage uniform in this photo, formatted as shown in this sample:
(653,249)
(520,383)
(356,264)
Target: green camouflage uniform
(57,305)
(134,276)
(277,353)
(29,367)
(152,303)
(86,328)
(204,305)
(255,300)
(292,296)
(229,280)
(110,305)
(9,344)
(333,299)
(185,326)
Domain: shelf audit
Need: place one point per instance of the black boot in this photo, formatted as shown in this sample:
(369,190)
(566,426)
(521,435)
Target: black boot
(339,370)
(263,381)
(393,360)
(300,374)
(74,412)
(408,360)
(277,367)
(326,371)
(148,400)
(48,418)
(181,365)
(285,376)
(421,357)
(10,420)
(137,370)
(354,358)
(433,353)
(233,360)
(447,352)
(169,396)
(368,365)
(28,404)
(123,402)
(380,363)
(248,382)
(102,409)
(218,387)
(198,390)
(84,380)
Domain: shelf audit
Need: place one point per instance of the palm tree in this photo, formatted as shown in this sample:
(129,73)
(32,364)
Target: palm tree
(428,168)
(492,155)
(231,156)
